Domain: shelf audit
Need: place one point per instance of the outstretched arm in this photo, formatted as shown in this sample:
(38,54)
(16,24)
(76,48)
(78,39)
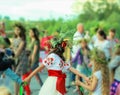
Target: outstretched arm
(38,69)
(73,70)
(91,86)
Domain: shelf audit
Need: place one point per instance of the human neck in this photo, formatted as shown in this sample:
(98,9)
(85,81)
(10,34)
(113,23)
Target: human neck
(111,37)
(101,40)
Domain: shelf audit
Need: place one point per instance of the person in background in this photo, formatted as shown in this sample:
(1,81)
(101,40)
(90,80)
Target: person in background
(82,58)
(93,39)
(87,35)
(6,62)
(114,67)
(2,29)
(19,47)
(44,45)
(111,38)
(103,44)
(34,47)
(99,84)
(79,34)
(67,56)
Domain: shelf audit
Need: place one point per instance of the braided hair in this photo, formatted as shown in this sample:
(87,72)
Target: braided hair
(100,63)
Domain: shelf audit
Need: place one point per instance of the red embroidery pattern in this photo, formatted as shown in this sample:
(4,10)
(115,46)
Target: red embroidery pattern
(49,61)
(66,64)
(61,64)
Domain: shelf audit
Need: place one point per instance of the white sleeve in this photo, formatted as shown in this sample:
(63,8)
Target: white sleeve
(108,44)
(48,61)
(114,62)
(97,74)
(67,65)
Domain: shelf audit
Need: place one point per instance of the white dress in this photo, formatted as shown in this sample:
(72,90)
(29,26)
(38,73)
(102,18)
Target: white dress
(52,62)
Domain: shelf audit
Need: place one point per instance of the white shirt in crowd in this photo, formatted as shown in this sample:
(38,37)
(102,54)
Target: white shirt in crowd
(115,64)
(113,42)
(104,46)
(76,37)
(98,90)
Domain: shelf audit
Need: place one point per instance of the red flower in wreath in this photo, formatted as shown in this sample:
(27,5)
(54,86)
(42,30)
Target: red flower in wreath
(64,44)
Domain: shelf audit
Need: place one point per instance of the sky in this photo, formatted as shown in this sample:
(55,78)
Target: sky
(36,9)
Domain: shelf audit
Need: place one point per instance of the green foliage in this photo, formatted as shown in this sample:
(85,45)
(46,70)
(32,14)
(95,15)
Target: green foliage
(98,56)
(94,14)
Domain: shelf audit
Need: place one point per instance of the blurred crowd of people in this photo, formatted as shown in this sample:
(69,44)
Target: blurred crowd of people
(96,60)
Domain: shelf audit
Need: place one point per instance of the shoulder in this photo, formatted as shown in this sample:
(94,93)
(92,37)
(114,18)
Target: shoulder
(96,42)
(76,33)
(97,74)
(114,62)
(107,42)
(116,59)
(53,55)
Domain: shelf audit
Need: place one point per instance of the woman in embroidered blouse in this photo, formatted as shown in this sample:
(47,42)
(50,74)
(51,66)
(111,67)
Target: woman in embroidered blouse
(55,63)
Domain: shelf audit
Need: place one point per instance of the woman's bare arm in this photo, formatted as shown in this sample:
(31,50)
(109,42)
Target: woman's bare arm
(73,70)
(38,69)
(34,54)
(90,87)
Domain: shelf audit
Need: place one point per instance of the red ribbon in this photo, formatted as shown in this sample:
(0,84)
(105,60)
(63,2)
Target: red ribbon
(60,84)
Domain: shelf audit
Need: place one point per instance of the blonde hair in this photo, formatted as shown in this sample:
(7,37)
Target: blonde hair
(83,40)
(4,91)
(117,49)
(100,63)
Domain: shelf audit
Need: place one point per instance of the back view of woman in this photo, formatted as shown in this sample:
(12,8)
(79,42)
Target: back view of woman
(34,47)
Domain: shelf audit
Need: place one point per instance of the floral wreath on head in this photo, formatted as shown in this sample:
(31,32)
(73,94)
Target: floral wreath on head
(99,56)
(81,40)
(57,43)
(62,39)
(117,46)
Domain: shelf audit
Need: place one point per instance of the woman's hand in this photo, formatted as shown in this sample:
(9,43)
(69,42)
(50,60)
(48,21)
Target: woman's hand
(86,78)
(27,80)
(89,81)
(77,82)
(90,65)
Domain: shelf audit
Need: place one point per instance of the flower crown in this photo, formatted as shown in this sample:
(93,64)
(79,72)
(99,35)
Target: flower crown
(117,46)
(99,56)
(56,42)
